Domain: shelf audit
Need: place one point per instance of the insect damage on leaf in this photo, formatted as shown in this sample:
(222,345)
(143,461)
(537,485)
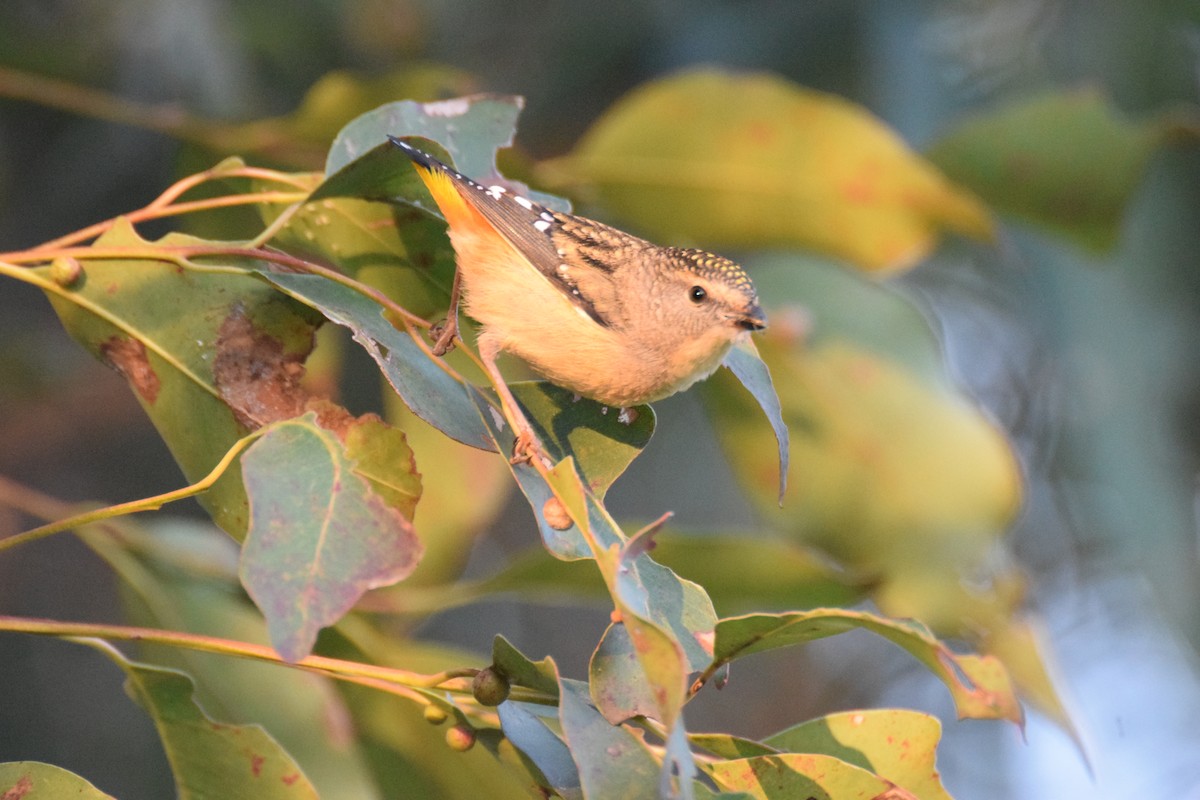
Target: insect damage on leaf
(256,378)
(128,357)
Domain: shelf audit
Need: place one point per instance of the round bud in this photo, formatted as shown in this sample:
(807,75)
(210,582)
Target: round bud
(65,271)
(460,738)
(435,714)
(490,687)
(555,514)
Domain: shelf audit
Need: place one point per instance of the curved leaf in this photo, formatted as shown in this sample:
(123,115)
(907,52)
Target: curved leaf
(979,685)
(210,759)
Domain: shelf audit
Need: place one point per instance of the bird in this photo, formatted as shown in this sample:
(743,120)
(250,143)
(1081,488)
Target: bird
(591,308)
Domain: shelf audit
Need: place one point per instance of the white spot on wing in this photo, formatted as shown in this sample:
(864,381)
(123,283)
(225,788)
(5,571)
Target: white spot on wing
(522,202)
(495,191)
(542,225)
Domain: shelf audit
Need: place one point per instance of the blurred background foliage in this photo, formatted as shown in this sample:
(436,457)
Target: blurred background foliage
(1074,328)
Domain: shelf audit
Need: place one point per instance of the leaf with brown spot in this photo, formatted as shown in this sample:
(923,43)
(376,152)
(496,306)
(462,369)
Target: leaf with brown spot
(208,758)
(33,780)
(128,357)
(255,376)
(160,324)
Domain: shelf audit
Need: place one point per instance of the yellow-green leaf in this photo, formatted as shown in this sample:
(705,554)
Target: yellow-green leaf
(33,780)
(752,160)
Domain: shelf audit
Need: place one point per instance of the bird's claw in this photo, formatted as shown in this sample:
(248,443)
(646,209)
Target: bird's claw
(443,334)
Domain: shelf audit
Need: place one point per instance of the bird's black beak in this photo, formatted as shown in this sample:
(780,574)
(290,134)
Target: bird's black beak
(753,319)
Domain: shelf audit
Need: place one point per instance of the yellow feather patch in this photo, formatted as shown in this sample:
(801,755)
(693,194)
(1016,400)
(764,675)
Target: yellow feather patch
(459,213)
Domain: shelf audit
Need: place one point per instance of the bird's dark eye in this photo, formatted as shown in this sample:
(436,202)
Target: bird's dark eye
(697,294)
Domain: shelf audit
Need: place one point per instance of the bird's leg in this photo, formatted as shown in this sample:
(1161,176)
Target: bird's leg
(527,447)
(448,329)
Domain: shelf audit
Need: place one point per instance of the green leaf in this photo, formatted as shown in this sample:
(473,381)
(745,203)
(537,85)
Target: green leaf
(399,249)
(605,445)
(748,367)
(381,455)
(979,685)
(602,445)
(895,744)
(520,670)
(730,747)
(33,780)
(612,762)
(182,576)
(788,776)
(208,758)
(319,536)
(426,387)
(751,160)
(548,752)
(619,688)
(207,354)
(1067,161)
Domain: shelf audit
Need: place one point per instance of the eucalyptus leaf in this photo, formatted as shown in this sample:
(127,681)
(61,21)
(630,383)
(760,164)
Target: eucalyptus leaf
(979,685)
(33,780)
(210,759)
(319,536)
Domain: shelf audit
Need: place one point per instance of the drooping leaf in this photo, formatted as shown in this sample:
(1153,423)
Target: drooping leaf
(748,367)
(183,576)
(979,685)
(319,535)
(751,160)
(187,340)
(208,758)
(612,762)
(895,744)
(1068,161)
(787,776)
(546,750)
(432,393)
(33,780)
